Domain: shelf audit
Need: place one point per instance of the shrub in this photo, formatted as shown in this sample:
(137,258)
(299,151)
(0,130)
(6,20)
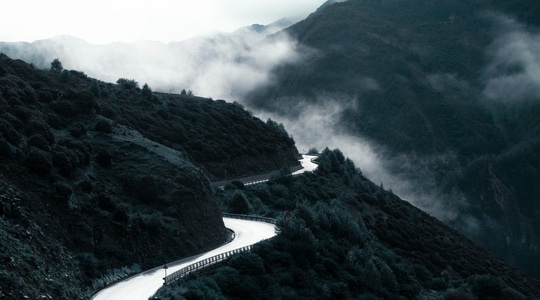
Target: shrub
(54,121)
(103,126)
(62,107)
(203,288)
(5,149)
(458,295)
(238,203)
(77,130)
(248,264)
(38,141)
(121,215)
(63,192)
(105,202)
(65,160)
(149,189)
(107,111)
(85,101)
(511,294)
(64,76)
(79,149)
(128,83)
(14,121)
(38,161)
(46,95)
(22,112)
(85,186)
(104,158)
(89,264)
(79,74)
(8,131)
(37,125)
(28,95)
(486,286)
(164,114)
(238,184)
(94,88)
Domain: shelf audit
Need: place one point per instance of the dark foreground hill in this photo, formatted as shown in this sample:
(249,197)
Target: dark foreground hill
(446,92)
(99,180)
(343,237)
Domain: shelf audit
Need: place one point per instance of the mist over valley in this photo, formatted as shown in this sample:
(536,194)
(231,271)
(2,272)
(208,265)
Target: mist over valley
(435,103)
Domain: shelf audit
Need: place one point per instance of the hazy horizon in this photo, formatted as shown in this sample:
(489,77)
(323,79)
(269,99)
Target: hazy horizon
(103,22)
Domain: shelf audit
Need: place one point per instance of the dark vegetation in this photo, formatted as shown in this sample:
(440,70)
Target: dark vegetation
(415,72)
(97,180)
(221,138)
(343,237)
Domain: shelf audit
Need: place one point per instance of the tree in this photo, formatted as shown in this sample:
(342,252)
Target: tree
(94,88)
(238,203)
(56,66)
(186,93)
(146,91)
(128,83)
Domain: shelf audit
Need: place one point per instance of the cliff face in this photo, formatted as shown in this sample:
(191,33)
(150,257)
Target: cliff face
(96,179)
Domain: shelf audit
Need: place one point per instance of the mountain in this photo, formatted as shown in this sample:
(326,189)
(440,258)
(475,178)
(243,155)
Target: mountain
(446,94)
(100,180)
(343,237)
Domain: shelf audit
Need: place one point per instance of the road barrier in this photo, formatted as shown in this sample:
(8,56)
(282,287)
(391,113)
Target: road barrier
(203,264)
(194,267)
(250,218)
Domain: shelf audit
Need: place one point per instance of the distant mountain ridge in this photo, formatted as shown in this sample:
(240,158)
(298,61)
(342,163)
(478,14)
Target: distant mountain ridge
(170,67)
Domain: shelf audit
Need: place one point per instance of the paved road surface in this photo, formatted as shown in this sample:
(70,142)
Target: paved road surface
(146,284)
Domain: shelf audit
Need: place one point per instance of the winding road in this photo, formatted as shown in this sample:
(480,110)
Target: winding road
(144,285)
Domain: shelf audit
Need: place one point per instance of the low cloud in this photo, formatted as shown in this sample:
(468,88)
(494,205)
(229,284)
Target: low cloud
(219,65)
(442,82)
(229,67)
(316,125)
(513,74)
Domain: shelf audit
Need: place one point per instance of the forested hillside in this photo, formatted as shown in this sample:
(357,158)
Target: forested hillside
(446,93)
(100,180)
(343,237)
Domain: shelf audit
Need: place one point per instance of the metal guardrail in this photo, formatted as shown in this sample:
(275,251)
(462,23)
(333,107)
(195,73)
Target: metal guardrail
(194,267)
(250,218)
(203,264)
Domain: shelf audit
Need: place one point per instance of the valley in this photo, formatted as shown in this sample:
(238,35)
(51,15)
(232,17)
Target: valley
(423,117)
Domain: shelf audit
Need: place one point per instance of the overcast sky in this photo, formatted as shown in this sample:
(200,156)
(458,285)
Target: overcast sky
(105,21)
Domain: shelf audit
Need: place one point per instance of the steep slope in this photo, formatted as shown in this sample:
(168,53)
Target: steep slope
(343,237)
(441,93)
(96,179)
